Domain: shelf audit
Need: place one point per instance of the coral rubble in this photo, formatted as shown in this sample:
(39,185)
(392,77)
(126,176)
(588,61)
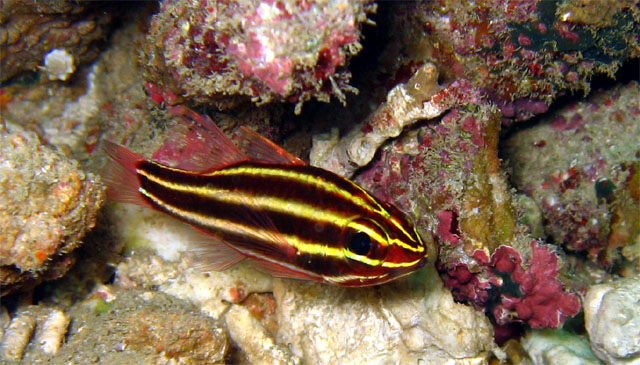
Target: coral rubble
(114,325)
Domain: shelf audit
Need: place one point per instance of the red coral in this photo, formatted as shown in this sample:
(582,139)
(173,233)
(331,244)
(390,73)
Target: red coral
(538,298)
(466,286)
(543,304)
(448,226)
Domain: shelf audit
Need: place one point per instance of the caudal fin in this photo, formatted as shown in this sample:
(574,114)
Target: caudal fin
(121,176)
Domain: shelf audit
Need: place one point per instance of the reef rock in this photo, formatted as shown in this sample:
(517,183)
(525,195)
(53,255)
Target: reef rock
(30,31)
(46,206)
(214,52)
(410,321)
(612,319)
(580,165)
(558,347)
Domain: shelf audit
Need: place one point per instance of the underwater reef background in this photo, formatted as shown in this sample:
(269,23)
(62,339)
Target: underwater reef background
(508,131)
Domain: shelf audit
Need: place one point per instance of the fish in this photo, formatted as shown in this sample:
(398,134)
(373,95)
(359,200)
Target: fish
(254,200)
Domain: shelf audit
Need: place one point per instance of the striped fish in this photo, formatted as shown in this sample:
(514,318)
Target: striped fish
(292,219)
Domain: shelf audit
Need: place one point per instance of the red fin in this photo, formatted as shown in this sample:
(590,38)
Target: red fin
(121,176)
(281,271)
(260,148)
(202,147)
(213,254)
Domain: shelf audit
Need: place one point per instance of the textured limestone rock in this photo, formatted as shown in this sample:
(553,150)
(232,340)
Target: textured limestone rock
(259,346)
(612,319)
(409,321)
(558,347)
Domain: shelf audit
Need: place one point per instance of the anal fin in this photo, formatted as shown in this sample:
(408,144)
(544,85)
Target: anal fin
(212,253)
(281,271)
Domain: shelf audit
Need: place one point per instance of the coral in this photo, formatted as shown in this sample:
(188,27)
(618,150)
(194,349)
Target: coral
(32,30)
(579,165)
(541,301)
(522,53)
(612,319)
(46,206)
(513,293)
(218,53)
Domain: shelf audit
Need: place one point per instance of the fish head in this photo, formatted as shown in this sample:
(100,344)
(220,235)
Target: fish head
(381,250)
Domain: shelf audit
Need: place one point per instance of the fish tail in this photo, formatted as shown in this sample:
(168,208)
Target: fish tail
(121,176)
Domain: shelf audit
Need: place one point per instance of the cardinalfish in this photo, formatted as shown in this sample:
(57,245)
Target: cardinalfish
(262,203)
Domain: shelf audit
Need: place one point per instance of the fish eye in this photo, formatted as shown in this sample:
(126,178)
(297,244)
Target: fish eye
(365,242)
(360,243)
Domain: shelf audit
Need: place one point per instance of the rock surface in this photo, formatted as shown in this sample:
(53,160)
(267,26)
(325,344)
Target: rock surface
(411,321)
(558,347)
(47,204)
(612,319)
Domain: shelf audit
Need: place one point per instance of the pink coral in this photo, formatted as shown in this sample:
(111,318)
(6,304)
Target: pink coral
(543,302)
(517,293)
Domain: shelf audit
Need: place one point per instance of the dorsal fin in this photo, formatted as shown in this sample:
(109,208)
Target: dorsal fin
(201,147)
(259,148)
